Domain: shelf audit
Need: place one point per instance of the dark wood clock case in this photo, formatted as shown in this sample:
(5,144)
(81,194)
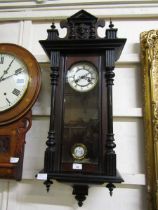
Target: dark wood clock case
(82,44)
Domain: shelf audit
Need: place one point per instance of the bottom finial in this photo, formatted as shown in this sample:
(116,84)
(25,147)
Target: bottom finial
(111,187)
(48,183)
(80,192)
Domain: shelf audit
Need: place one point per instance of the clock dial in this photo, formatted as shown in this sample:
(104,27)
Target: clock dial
(82,76)
(14,81)
(79,151)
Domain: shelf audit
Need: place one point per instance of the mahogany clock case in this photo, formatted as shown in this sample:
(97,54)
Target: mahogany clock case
(16,120)
(12,141)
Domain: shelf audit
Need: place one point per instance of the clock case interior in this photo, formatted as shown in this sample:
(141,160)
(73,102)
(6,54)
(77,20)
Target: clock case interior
(82,44)
(82,116)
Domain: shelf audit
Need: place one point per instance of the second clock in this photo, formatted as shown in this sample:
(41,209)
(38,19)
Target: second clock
(20,81)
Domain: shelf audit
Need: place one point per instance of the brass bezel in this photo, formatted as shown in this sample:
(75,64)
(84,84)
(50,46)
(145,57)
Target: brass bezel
(79,145)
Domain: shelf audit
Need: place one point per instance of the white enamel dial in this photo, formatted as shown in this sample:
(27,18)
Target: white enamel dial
(14,81)
(82,76)
(79,151)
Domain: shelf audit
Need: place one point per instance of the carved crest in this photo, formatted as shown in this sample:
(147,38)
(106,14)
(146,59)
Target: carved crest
(82,26)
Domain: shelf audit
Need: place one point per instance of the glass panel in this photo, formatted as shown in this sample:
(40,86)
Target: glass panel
(81,124)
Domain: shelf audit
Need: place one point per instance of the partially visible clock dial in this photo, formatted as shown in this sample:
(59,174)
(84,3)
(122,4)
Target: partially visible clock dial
(14,80)
(82,76)
(20,82)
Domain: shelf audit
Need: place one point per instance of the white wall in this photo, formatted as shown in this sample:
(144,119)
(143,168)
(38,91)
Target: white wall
(26,26)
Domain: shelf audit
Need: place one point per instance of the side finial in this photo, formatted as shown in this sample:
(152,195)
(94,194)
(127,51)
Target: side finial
(111,25)
(111,32)
(53,33)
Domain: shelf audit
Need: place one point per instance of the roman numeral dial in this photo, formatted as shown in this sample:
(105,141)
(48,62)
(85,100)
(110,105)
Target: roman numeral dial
(82,76)
(14,81)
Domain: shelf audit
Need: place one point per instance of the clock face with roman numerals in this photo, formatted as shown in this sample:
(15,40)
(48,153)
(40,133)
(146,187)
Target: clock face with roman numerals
(82,76)
(14,80)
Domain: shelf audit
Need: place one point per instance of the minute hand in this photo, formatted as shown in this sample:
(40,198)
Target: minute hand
(10,76)
(82,77)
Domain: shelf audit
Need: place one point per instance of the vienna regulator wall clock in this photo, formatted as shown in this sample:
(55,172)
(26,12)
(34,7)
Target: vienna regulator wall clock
(19,88)
(80,145)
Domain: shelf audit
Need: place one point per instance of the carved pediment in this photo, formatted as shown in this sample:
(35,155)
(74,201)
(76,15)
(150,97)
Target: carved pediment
(82,25)
(82,15)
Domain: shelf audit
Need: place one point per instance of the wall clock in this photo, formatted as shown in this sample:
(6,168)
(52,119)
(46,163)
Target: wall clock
(19,88)
(80,145)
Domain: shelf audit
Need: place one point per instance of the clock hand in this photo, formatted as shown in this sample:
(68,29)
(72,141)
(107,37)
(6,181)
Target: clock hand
(6,71)
(16,73)
(82,77)
(89,79)
(85,75)
(76,80)
(8,101)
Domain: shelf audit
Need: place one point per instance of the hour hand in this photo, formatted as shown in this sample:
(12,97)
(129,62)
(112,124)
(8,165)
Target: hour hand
(6,71)
(85,76)
(78,79)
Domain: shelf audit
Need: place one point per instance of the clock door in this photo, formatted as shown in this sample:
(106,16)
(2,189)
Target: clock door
(81,115)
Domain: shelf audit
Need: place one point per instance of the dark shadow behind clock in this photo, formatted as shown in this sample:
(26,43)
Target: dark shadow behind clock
(84,118)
